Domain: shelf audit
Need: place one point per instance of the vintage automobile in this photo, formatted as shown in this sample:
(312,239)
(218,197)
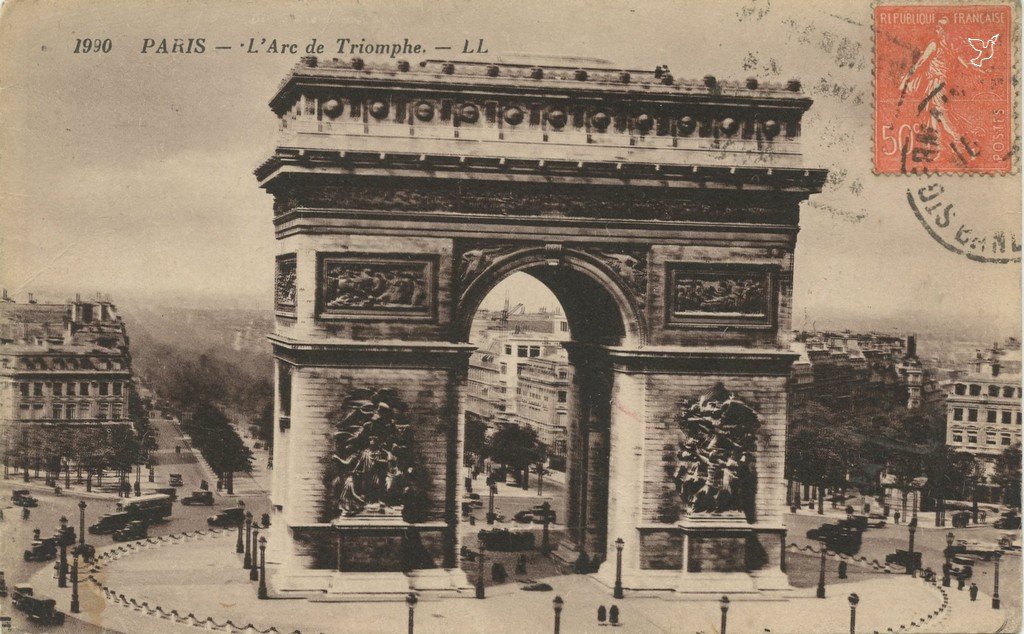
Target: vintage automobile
(42,549)
(176,480)
(232,516)
(110,522)
(903,558)
(21,497)
(21,591)
(538,512)
(982,550)
(198,498)
(170,492)
(1008,522)
(524,516)
(134,530)
(837,538)
(40,609)
(1010,542)
(961,519)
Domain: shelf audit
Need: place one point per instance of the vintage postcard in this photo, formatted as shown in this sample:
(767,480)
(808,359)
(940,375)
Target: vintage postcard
(460,316)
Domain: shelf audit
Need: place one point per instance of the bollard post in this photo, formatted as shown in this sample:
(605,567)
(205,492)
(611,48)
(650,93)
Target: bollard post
(247,558)
(81,522)
(480,568)
(854,600)
(254,571)
(262,592)
(75,605)
(821,574)
(995,590)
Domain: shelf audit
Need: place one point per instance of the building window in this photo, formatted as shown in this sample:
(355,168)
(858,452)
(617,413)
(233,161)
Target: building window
(972,415)
(972,437)
(117,388)
(990,416)
(37,411)
(534,351)
(24,412)
(563,326)
(58,411)
(958,437)
(58,389)
(522,351)
(1007,418)
(504,368)
(24,389)
(1008,392)
(508,349)
(960,389)
(69,411)
(563,374)
(993,390)
(562,396)
(104,388)
(83,389)
(990,438)
(37,389)
(84,410)
(115,411)
(104,409)
(975,390)
(1018,418)
(1005,440)
(958,413)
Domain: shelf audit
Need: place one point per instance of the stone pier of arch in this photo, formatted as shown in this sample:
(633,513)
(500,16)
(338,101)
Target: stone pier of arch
(663,218)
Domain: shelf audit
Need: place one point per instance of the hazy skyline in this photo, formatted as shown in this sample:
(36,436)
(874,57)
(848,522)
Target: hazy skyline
(131,174)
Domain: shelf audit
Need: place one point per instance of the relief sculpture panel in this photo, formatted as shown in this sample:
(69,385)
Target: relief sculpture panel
(369,285)
(284,283)
(721,295)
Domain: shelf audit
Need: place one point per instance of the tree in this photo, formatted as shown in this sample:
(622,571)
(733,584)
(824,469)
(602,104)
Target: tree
(1008,475)
(822,449)
(517,447)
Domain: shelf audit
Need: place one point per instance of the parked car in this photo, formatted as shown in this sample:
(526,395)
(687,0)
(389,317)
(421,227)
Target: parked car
(134,530)
(232,516)
(538,511)
(176,480)
(903,558)
(22,497)
(961,519)
(110,522)
(1010,542)
(840,539)
(198,498)
(42,549)
(876,520)
(524,517)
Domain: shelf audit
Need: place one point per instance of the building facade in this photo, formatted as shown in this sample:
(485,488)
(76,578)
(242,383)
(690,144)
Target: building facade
(65,375)
(983,405)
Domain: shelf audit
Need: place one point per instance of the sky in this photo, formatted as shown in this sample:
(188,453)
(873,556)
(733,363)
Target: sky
(131,173)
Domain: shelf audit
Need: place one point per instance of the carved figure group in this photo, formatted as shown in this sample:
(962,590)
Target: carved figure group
(372,464)
(715,470)
(727,295)
(360,286)
(284,284)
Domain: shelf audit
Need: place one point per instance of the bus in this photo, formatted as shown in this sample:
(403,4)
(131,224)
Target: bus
(110,522)
(150,508)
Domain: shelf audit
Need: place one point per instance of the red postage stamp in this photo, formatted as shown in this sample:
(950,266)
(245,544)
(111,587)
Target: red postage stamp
(943,89)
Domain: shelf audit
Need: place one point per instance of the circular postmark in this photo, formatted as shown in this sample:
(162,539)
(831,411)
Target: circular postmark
(967,225)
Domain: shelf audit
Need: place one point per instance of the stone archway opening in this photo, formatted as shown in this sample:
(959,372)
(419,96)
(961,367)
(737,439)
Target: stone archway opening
(545,372)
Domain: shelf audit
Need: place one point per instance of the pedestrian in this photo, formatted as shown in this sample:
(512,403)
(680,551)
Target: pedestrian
(961,580)
(613,615)
(842,570)
(983,516)
(521,565)
(602,615)
(896,517)
(974,591)
(25,513)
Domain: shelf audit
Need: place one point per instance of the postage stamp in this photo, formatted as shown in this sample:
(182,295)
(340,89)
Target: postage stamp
(943,89)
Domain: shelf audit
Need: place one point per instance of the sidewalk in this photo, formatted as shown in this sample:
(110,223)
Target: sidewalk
(204,577)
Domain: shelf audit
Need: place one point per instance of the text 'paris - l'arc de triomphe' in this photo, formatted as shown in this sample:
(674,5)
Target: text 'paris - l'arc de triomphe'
(663,215)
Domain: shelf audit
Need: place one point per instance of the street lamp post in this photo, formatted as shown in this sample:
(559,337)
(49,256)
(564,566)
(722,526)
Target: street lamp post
(239,548)
(545,541)
(617,592)
(262,593)
(62,568)
(854,600)
(911,564)
(138,479)
(254,571)
(410,600)
(490,503)
(821,573)
(540,478)
(247,558)
(75,606)
(81,522)
(558,603)
(152,474)
(724,604)
(949,546)
(480,567)
(995,588)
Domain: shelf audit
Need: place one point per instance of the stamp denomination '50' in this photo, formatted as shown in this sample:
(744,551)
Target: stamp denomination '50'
(943,89)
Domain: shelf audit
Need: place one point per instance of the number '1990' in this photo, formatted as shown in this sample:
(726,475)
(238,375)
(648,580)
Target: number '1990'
(94,45)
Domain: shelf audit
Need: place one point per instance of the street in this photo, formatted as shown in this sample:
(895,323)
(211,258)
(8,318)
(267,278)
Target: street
(17,533)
